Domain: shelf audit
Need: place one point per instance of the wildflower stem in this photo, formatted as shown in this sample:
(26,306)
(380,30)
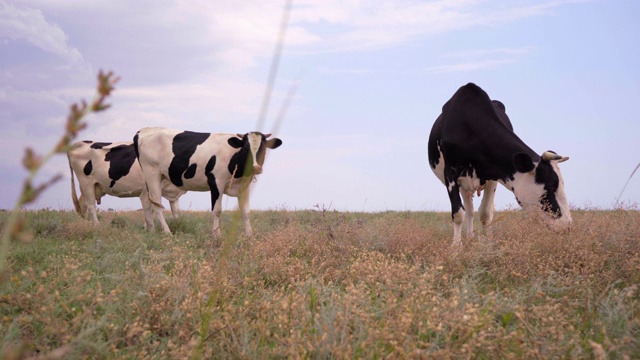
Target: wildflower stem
(33,163)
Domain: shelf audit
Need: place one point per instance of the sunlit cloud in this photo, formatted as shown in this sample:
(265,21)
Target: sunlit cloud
(30,25)
(518,51)
(470,66)
(339,26)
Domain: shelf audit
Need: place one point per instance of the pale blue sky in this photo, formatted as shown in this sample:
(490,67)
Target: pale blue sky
(372,77)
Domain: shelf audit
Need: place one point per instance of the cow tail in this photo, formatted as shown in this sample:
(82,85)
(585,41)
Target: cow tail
(135,146)
(156,203)
(74,195)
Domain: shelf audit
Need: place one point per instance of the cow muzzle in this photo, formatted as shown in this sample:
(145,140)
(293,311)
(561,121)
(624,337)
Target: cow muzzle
(561,225)
(257,169)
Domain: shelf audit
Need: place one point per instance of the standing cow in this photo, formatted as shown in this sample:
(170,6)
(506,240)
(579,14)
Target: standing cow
(111,168)
(193,161)
(472,147)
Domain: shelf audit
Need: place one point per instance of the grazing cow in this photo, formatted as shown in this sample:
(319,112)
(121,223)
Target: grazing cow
(111,168)
(193,161)
(472,147)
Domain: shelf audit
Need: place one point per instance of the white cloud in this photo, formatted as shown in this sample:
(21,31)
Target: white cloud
(31,25)
(354,71)
(519,51)
(354,25)
(470,66)
(481,59)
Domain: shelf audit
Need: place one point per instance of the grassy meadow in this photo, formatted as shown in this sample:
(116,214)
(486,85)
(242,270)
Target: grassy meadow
(322,285)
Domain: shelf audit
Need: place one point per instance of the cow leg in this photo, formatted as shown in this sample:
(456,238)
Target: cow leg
(148,210)
(93,213)
(90,203)
(217,211)
(467,197)
(159,215)
(243,203)
(216,204)
(83,207)
(153,180)
(487,206)
(175,207)
(457,214)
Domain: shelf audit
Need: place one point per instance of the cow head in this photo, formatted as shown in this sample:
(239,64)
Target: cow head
(539,186)
(255,145)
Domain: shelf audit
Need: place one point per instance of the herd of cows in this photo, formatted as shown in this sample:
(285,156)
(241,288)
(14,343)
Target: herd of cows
(472,148)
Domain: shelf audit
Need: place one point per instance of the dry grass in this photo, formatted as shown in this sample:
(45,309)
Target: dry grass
(323,284)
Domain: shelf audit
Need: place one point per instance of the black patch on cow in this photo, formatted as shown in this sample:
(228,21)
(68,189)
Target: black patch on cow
(99,145)
(238,163)
(235,142)
(547,176)
(211,180)
(454,198)
(239,160)
(87,141)
(120,159)
(135,145)
(191,171)
(184,146)
(88,168)
(523,162)
(474,133)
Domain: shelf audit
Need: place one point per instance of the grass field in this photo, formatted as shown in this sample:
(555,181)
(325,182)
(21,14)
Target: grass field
(322,285)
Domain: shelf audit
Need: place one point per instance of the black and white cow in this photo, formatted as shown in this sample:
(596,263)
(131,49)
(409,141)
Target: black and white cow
(194,161)
(472,147)
(111,168)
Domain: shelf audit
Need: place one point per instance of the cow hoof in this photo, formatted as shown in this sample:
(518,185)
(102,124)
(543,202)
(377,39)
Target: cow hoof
(456,247)
(216,242)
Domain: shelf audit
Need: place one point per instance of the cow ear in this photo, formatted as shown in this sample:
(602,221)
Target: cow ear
(523,162)
(234,142)
(274,143)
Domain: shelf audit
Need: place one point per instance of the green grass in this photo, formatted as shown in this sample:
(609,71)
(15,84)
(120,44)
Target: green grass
(322,284)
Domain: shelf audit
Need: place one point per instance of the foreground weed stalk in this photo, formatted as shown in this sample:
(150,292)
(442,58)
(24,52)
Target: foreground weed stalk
(15,226)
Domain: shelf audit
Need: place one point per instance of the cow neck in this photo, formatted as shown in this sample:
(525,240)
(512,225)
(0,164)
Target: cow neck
(239,162)
(501,148)
(514,145)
